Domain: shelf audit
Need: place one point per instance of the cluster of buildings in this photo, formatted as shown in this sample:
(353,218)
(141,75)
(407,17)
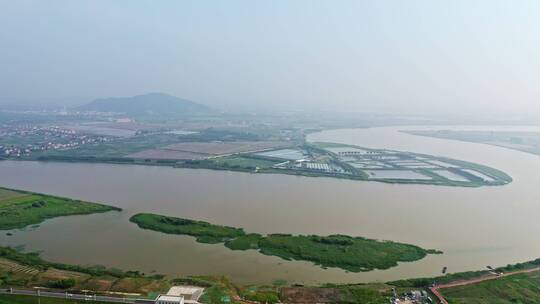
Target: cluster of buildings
(412,297)
(23,140)
(309,165)
(300,159)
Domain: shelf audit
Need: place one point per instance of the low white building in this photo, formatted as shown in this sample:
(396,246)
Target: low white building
(187,292)
(167,299)
(181,295)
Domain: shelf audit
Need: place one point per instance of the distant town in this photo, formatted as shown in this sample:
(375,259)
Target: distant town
(29,139)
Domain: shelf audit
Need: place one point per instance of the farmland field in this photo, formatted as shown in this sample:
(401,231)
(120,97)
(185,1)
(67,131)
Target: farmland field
(20,269)
(288,154)
(201,150)
(165,153)
(116,148)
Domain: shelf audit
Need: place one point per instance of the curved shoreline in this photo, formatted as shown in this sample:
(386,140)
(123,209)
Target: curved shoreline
(298,205)
(467,174)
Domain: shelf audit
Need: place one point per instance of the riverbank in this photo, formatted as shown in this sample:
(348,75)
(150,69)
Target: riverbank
(26,271)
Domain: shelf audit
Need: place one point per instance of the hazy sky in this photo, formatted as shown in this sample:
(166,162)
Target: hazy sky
(398,56)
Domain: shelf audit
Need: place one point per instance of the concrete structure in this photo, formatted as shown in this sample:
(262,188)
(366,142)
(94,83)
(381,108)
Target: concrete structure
(191,293)
(167,299)
(347,151)
(318,166)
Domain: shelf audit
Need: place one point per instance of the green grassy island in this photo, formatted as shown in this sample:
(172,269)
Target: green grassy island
(19,209)
(203,231)
(349,253)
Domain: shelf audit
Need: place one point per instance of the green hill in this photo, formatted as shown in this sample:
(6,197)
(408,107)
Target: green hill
(152,104)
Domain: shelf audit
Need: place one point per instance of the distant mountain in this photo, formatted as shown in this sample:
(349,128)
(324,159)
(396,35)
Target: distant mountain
(152,104)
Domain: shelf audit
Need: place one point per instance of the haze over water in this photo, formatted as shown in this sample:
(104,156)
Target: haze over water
(474,227)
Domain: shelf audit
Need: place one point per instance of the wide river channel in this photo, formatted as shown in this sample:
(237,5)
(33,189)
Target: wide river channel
(474,227)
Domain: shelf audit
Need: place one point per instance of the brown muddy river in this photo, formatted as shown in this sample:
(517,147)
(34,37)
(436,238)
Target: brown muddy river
(475,227)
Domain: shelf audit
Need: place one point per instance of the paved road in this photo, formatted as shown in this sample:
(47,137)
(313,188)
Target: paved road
(72,296)
(435,289)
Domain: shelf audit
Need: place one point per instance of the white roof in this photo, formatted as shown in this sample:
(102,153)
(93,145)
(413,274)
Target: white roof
(170,298)
(183,290)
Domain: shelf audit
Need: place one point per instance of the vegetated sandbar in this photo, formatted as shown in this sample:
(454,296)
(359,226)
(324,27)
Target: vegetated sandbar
(354,254)
(19,209)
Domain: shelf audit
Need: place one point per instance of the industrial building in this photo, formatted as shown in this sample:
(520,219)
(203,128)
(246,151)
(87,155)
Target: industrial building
(181,295)
(165,299)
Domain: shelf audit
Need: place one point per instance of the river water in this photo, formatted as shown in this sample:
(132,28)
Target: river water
(474,227)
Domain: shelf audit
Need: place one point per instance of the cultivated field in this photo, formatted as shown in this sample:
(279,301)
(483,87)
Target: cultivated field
(119,129)
(167,154)
(202,150)
(27,269)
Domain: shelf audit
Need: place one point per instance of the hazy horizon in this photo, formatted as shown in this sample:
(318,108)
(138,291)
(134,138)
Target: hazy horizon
(269,151)
(385,56)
